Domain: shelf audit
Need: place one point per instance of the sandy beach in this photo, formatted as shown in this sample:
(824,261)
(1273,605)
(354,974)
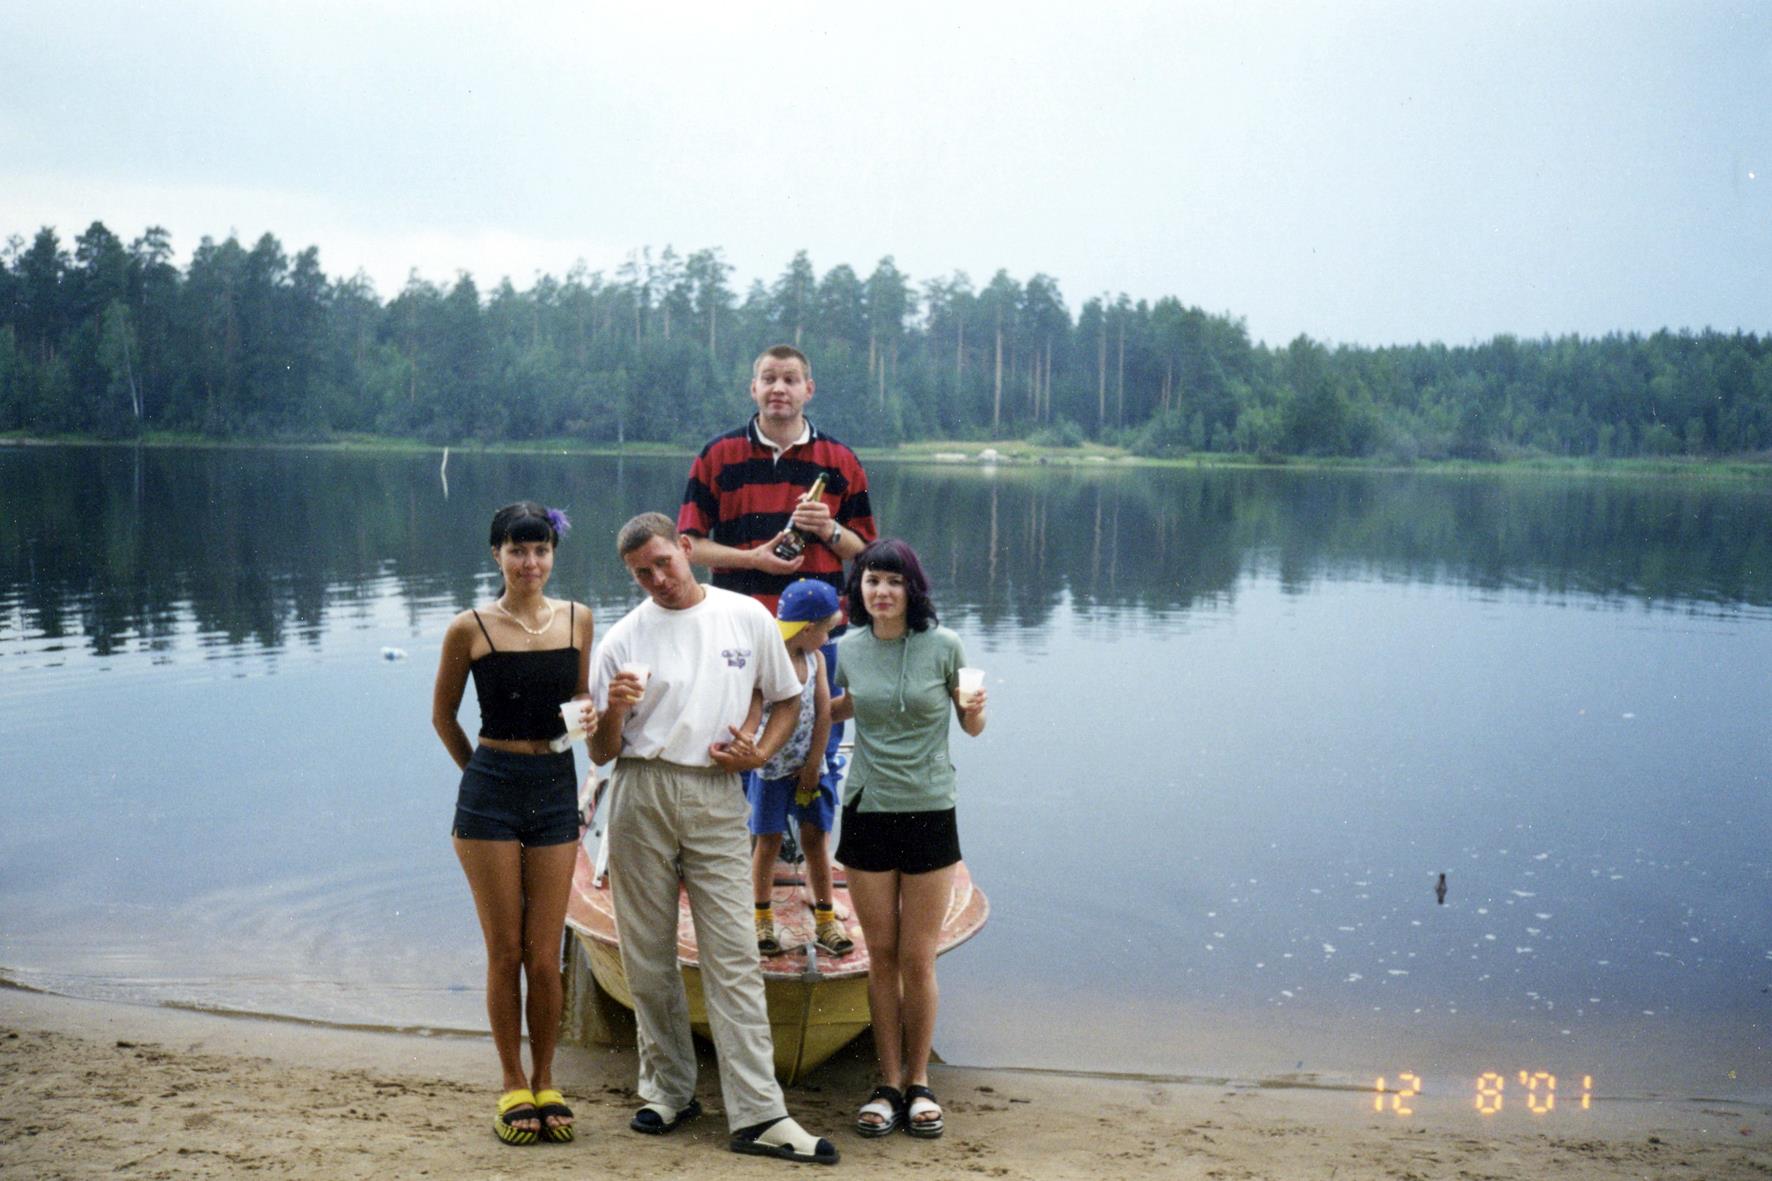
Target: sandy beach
(116,1090)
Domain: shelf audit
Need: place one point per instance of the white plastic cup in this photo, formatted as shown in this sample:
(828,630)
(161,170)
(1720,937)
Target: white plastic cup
(643,671)
(572,713)
(971,680)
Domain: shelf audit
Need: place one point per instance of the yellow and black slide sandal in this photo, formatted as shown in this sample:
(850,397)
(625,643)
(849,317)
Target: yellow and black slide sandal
(510,1109)
(551,1103)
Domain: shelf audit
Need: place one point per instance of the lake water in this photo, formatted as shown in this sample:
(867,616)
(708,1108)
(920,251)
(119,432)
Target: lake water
(1241,721)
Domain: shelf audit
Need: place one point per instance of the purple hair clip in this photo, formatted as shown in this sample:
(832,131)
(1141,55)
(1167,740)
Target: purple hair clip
(558,520)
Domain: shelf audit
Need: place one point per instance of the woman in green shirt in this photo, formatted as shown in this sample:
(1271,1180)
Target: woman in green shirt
(899,670)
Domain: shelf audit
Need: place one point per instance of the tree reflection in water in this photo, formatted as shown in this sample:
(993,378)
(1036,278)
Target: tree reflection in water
(130,549)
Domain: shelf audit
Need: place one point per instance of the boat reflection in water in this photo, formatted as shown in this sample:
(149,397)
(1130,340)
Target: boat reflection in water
(818,1003)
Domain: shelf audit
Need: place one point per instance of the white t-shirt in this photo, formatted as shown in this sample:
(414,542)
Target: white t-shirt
(705,661)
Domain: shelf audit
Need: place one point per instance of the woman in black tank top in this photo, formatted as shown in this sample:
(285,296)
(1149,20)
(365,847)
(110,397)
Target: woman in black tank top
(516,824)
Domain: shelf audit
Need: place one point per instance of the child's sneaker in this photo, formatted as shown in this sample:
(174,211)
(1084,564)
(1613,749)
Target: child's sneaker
(833,938)
(766,942)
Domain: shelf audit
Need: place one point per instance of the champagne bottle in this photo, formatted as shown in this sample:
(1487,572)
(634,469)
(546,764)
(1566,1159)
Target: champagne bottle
(795,542)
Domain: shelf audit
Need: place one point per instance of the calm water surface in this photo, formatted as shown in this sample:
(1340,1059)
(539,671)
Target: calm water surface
(1241,721)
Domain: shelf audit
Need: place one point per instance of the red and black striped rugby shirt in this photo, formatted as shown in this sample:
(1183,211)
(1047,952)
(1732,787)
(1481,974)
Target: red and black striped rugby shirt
(739,494)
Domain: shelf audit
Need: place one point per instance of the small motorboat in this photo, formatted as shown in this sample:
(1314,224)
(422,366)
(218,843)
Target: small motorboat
(818,1003)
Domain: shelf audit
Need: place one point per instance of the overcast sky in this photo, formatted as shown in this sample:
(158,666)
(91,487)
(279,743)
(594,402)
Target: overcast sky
(1370,173)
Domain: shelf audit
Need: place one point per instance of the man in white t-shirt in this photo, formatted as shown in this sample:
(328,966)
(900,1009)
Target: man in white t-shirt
(674,680)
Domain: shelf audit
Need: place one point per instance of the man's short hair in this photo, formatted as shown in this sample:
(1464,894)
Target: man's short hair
(642,529)
(781,352)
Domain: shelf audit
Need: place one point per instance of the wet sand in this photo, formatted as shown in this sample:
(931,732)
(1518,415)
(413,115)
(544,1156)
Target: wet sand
(116,1090)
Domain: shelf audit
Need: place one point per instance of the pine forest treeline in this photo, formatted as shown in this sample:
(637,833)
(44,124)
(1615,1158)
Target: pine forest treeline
(113,340)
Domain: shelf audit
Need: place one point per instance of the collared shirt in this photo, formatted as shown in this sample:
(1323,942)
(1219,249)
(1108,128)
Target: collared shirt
(765,440)
(742,490)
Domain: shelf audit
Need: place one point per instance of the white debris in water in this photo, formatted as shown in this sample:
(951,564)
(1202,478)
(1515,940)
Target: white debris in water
(1328,949)
(1542,916)
(1349,930)
(1523,893)
(1396,972)
(1627,715)
(1522,951)
(1533,931)
(1482,910)
(1490,938)
(1353,978)
(1286,992)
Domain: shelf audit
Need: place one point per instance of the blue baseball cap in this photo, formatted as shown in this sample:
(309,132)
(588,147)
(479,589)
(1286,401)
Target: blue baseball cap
(806,600)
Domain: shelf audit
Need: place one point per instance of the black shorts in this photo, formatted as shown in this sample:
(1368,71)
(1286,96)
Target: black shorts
(909,842)
(530,799)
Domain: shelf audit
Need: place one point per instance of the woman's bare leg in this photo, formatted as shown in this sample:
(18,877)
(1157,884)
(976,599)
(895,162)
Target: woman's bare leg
(922,904)
(875,896)
(547,884)
(495,875)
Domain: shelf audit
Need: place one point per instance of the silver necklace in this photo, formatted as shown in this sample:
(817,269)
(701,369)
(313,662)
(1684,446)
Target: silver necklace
(534,631)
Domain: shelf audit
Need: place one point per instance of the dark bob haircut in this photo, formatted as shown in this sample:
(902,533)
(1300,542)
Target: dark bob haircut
(891,556)
(524,521)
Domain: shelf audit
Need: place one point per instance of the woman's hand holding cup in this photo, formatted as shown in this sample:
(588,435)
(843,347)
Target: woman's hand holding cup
(580,717)
(969,689)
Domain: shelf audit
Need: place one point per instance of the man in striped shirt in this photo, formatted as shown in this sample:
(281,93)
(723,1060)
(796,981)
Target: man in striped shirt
(744,494)
(745,486)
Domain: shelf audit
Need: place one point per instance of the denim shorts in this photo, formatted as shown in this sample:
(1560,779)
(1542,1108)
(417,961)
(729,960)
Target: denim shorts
(530,799)
(773,799)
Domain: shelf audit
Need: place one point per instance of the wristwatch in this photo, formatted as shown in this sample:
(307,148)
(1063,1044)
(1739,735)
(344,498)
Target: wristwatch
(836,533)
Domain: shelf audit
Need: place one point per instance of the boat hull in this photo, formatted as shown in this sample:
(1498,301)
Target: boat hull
(809,1019)
(817,1003)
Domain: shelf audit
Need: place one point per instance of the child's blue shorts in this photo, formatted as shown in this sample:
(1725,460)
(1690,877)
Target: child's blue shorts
(771,799)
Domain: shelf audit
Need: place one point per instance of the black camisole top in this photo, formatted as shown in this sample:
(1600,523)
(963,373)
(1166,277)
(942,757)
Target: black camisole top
(520,692)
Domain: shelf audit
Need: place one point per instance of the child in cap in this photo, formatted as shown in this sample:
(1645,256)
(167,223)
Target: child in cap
(806,613)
